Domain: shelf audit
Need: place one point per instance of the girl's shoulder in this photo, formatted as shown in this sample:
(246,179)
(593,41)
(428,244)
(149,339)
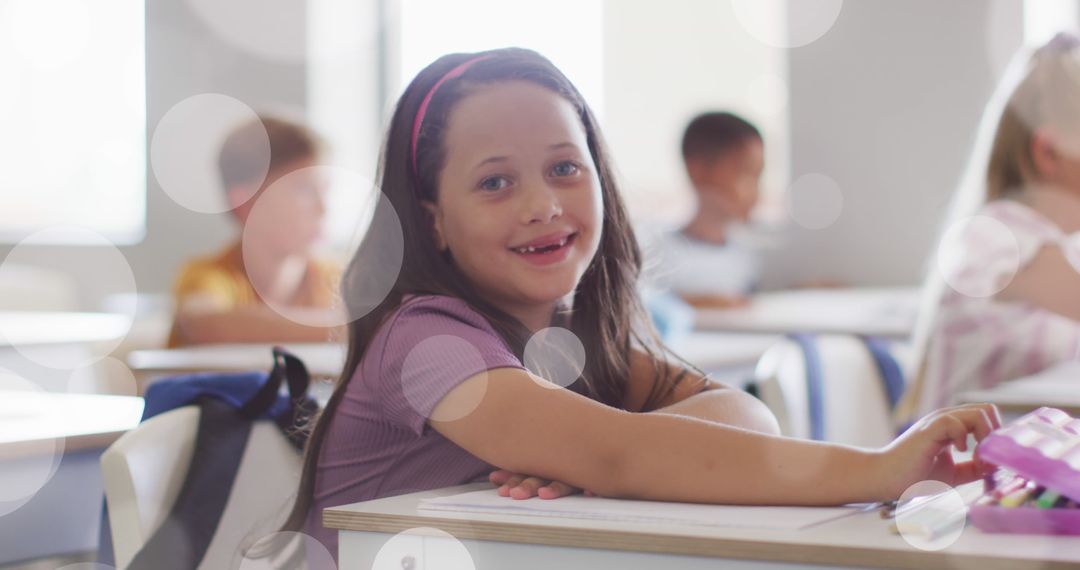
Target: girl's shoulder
(433,321)
(422,309)
(429,345)
(1021,219)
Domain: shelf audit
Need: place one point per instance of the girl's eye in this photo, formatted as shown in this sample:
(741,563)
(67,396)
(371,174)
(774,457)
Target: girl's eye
(565,169)
(494,183)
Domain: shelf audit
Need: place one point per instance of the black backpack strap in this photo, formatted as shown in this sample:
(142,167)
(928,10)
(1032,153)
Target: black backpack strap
(183,539)
(288,368)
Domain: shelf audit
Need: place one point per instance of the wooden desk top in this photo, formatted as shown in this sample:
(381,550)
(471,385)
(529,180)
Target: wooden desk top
(322,359)
(862,539)
(31,421)
(886,312)
(27,328)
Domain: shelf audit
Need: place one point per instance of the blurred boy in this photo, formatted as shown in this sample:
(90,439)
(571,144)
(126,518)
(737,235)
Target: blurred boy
(705,263)
(239,294)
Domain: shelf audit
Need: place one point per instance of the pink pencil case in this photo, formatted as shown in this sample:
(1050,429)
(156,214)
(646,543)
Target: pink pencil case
(1040,454)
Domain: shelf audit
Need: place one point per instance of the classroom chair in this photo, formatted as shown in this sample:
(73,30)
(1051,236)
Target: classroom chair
(145,469)
(837,388)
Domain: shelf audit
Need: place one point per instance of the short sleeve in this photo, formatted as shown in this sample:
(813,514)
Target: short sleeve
(996,243)
(204,283)
(430,346)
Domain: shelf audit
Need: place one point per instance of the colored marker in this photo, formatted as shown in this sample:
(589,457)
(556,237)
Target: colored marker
(1009,488)
(1048,499)
(1017,498)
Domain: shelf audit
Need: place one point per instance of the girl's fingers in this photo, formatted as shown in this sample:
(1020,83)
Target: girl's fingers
(499,476)
(947,428)
(555,490)
(511,482)
(527,488)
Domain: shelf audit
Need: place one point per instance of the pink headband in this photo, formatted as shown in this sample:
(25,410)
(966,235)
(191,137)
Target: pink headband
(419,121)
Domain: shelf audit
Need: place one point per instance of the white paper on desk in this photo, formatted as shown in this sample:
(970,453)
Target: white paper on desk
(619,510)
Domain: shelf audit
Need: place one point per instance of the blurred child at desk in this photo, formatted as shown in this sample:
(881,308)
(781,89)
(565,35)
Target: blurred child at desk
(1011,308)
(707,262)
(242,293)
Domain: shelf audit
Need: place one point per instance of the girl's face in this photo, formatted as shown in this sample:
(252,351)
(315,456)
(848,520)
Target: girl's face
(1057,159)
(519,204)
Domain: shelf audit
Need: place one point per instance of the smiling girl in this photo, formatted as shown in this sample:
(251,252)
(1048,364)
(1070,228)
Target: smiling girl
(512,223)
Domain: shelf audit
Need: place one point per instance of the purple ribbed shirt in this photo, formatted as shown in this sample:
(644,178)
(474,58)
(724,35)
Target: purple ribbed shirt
(378,443)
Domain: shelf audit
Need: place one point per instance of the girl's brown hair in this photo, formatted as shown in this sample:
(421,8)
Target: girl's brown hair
(1046,95)
(606,312)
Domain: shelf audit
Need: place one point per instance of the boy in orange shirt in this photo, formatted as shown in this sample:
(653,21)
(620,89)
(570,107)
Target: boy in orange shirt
(242,293)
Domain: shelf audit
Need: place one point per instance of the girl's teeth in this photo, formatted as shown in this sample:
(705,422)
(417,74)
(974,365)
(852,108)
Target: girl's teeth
(533,249)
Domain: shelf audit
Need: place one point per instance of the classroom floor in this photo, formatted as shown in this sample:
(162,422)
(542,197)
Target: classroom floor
(52,563)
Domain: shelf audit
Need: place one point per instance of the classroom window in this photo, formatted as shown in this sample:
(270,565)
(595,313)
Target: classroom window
(73,115)
(568,32)
(351,91)
(1045,18)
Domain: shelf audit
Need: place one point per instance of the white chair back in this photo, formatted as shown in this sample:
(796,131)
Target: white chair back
(836,394)
(145,469)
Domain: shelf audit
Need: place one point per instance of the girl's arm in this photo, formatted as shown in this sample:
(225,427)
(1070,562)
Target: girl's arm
(699,397)
(521,425)
(1048,281)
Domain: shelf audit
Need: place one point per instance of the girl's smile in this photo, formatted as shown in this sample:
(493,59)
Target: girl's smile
(547,250)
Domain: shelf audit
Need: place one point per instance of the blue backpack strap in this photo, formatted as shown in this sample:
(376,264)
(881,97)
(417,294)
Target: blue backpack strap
(815,396)
(892,377)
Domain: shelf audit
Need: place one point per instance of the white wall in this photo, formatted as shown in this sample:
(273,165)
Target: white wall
(663,64)
(886,104)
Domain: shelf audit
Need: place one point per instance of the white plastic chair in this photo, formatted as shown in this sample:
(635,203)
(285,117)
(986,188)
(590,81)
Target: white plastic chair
(145,469)
(855,404)
(143,472)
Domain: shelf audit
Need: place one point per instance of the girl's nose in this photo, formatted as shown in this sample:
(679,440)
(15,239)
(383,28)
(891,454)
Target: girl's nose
(541,204)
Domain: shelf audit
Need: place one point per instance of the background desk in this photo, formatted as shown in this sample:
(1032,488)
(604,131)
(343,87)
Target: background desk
(1057,387)
(723,353)
(62,517)
(31,339)
(499,541)
(884,312)
(324,361)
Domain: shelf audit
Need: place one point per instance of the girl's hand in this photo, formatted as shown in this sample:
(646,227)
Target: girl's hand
(923,451)
(518,486)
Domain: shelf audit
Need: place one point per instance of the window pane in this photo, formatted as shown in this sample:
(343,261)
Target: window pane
(73,117)
(568,32)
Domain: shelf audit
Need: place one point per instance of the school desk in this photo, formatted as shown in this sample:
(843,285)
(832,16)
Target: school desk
(884,312)
(725,356)
(1056,387)
(323,360)
(50,348)
(526,542)
(712,351)
(43,431)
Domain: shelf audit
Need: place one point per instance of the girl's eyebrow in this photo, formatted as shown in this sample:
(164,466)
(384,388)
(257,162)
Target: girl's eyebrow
(490,159)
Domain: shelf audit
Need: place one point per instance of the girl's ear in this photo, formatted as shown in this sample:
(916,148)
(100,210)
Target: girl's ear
(1045,155)
(436,223)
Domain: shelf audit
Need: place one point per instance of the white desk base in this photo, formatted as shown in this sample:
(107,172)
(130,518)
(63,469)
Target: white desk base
(364,549)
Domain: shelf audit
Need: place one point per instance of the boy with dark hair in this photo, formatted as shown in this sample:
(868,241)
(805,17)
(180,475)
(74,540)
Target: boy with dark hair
(704,262)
